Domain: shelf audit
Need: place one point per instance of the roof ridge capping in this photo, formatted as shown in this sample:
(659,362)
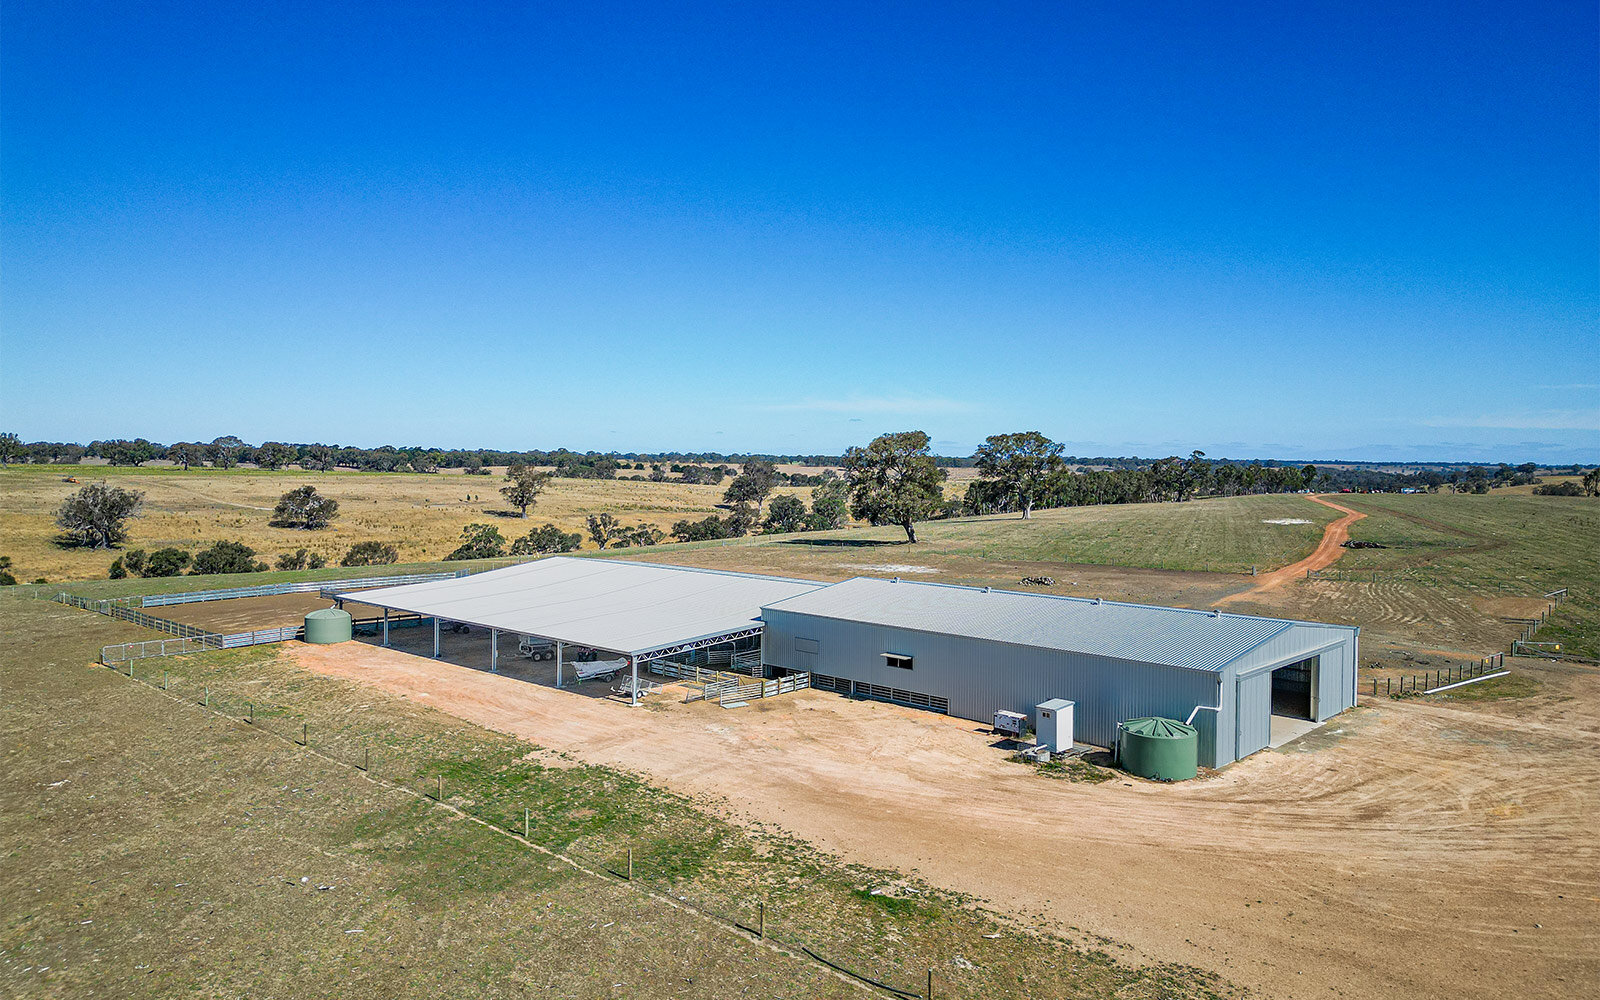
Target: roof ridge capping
(1071,599)
(597,560)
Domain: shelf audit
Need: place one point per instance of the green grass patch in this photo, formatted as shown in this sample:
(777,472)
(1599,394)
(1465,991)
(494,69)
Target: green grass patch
(898,906)
(1490,546)
(1068,769)
(1513,685)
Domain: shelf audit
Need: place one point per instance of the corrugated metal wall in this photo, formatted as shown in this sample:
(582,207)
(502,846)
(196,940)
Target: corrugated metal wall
(1250,722)
(1336,668)
(980,676)
(1254,706)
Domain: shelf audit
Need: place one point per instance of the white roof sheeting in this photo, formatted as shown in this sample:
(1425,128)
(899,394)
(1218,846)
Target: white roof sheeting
(1196,640)
(626,607)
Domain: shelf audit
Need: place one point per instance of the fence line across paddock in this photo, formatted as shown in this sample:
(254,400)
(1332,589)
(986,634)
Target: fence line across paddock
(783,925)
(197,638)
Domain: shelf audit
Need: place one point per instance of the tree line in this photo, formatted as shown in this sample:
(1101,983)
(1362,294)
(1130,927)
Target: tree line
(893,480)
(230,451)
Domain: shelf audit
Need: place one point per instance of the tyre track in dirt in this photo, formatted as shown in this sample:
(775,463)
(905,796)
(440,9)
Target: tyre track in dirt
(1296,873)
(1327,552)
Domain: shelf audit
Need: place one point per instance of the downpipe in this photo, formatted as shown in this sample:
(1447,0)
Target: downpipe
(1197,710)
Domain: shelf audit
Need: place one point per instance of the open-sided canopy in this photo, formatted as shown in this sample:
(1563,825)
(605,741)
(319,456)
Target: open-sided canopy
(642,610)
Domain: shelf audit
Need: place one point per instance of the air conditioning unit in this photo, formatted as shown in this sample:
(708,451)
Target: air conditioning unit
(1054,729)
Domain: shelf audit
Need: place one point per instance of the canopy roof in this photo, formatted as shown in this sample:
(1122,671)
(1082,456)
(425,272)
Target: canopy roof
(641,610)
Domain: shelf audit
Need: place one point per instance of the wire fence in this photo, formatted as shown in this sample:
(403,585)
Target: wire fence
(300,587)
(751,916)
(1449,676)
(55,591)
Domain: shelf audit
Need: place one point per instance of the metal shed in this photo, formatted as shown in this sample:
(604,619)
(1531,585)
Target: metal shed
(969,651)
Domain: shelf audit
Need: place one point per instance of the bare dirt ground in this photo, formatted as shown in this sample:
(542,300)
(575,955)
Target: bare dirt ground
(1328,552)
(1409,849)
(244,614)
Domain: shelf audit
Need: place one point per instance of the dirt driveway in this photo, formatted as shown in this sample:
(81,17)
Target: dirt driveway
(1326,554)
(1407,850)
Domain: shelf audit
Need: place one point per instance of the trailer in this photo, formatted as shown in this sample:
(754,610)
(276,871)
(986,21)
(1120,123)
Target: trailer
(603,670)
(535,648)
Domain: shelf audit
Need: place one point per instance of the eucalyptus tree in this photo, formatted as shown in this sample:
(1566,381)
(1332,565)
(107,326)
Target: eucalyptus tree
(1022,464)
(894,480)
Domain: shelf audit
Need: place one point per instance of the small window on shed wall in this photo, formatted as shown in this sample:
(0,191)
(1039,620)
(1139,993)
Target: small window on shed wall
(897,660)
(802,645)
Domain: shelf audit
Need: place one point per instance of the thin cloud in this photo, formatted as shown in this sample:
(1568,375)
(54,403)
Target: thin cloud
(873,404)
(1538,420)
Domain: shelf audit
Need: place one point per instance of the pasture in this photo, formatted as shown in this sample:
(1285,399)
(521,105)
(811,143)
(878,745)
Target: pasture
(420,514)
(156,847)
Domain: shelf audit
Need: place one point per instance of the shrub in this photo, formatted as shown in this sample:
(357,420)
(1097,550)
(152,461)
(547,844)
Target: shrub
(699,531)
(479,541)
(830,506)
(603,528)
(117,571)
(227,557)
(301,559)
(545,540)
(166,562)
(370,554)
(643,534)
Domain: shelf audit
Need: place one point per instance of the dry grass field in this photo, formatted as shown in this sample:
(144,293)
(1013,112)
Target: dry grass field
(421,515)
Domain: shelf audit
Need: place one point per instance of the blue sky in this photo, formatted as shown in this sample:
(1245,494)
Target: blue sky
(1303,231)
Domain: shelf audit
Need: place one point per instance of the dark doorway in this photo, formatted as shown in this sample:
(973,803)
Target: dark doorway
(1292,689)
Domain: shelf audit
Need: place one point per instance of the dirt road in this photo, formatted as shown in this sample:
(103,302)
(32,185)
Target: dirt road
(1408,850)
(1327,553)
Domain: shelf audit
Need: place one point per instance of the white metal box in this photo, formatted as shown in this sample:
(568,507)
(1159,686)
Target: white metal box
(1010,722)
(1054,725)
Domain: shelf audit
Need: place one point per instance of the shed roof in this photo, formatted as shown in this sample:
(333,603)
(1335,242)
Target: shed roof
(1177,637)
(627,607)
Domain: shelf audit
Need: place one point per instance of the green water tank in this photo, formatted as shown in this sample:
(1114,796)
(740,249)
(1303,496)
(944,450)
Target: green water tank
(1162,749)
(328,625)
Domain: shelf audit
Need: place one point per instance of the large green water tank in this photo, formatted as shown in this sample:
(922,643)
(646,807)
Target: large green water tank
(1160,748)
(328,625)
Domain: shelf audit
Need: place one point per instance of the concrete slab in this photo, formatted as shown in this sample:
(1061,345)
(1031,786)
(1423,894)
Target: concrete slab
(1286,729)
